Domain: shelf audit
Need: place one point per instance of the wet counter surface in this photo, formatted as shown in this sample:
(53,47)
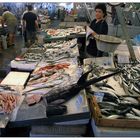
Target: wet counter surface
(77,109)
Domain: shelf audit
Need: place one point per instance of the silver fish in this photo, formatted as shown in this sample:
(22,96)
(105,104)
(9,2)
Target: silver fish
(109,105)
(35,77)
(136,111)
(115,117)
(109,91)
(132,100)
(130,116)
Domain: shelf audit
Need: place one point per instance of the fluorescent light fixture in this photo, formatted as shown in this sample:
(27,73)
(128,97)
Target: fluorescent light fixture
(62,4)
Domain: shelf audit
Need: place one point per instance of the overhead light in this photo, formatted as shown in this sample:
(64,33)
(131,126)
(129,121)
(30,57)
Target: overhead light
(62,4)
(35,8)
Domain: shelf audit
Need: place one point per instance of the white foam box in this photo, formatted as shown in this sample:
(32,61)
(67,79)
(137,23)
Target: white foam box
(15,79)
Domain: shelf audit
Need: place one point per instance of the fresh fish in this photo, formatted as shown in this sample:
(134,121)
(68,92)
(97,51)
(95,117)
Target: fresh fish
(132,100)
(136,111)
(137,85)
(131,116)
(109,92)
(136,89)
(131,112)
(115,117)
(103,85)
(36,88)
(111,111)
(110,105)
(35,77)
(112,69)
(123,112)
(84,77)
(58,102)
(105,112)
(70,92)
(37,81)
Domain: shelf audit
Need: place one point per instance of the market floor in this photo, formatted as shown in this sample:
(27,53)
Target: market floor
(9,54)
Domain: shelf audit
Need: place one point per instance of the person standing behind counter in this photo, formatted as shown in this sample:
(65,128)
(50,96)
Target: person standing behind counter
(99,26)
(23,28)
(31,25)
(11,22)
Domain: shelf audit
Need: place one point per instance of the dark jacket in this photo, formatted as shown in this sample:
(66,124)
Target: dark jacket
(100,27)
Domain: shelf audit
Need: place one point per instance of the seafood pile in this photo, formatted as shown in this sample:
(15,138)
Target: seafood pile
(65,32)
(36,49)
(34,57)
(113,106)
(50,51)
(9,99)
(130,79)
(61,44)
(60,50)
(33,54)
(57,54)
(57,44)
(112,102)
(32,99)
(48,77)
(58,68)
(97,70)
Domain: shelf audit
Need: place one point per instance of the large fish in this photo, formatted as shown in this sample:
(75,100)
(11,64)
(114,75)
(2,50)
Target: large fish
(75,88)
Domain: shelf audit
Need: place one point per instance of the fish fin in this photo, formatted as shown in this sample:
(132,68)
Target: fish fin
(83,77)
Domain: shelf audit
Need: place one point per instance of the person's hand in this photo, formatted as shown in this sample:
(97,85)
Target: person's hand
(94,33)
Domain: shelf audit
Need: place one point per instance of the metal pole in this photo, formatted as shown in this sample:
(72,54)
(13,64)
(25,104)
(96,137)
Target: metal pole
(88,13)
(121,18)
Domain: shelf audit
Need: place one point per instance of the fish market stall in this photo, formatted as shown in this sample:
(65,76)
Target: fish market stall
(46,105)
(28,60)
(115,112)
(64,34)
(42,115)
(37,53)
(116,125)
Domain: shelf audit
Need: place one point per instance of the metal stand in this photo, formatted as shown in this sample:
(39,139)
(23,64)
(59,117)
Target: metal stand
(121,18)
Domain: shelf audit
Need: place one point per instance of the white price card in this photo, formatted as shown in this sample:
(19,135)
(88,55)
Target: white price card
(99,96)
(123,59)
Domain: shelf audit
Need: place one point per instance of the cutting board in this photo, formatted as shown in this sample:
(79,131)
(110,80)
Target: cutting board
(15,78)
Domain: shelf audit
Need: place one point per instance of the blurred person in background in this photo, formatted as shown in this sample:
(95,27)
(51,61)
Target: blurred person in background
(99,26)
(30,24)
(11,21)
(23,28)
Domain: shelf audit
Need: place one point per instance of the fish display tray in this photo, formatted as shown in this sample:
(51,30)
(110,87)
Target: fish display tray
(104,122)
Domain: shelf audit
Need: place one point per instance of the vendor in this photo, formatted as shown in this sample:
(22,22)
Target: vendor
(11,22)
(99,26)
